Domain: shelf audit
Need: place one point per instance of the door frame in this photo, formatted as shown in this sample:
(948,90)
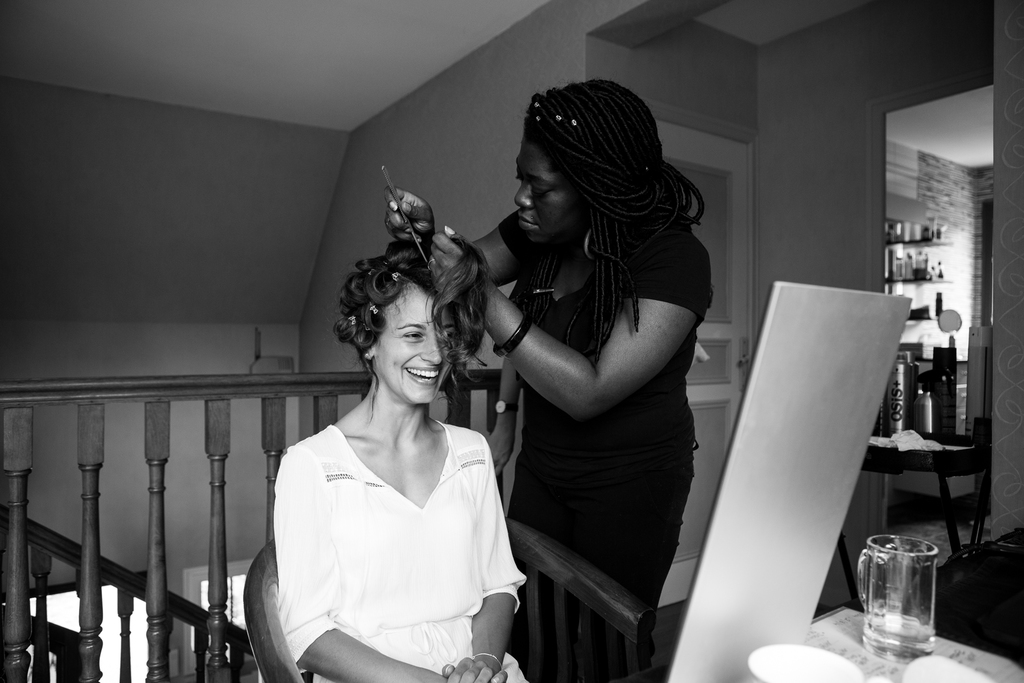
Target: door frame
(680,578)
(672,114)
(873,516)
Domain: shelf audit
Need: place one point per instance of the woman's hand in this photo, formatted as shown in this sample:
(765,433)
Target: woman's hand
(502,440)
(478,670)
(445,252)
(416,210)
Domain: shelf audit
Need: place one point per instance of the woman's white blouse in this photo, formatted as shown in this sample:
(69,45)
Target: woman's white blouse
(354,554)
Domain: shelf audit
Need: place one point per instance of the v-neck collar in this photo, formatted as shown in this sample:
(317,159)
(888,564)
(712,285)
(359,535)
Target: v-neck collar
(369,475)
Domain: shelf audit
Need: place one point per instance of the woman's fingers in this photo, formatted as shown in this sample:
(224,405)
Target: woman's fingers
(444,249)
(406,212)
(470,671)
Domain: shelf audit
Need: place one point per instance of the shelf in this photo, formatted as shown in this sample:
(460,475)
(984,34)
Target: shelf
(934,281)
(920,243)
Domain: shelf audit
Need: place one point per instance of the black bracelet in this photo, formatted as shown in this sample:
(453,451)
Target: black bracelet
(504,349)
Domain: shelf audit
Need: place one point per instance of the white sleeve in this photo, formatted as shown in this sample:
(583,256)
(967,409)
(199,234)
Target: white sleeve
(309,579)
(498,570)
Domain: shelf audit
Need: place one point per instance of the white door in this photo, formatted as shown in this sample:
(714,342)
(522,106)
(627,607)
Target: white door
(721,169)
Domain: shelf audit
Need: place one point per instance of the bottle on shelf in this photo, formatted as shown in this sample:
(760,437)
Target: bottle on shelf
(921,266)
(938,273)
(938,305)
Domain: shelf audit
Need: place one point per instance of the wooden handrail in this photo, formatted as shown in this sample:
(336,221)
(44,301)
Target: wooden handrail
(195,387)
(179,388)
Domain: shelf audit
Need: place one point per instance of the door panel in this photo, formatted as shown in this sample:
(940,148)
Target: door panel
(721,170)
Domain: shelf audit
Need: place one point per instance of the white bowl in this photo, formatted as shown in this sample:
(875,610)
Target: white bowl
(785,663)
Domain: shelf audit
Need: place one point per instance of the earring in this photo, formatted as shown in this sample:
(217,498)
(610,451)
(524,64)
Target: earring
(586,246)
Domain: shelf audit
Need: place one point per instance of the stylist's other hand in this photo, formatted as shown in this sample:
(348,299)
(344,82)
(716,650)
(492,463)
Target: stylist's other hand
(480,670)
(445,251)
(416,210)
(502,439)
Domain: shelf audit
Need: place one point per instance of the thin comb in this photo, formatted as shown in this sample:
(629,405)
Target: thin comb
(394,195)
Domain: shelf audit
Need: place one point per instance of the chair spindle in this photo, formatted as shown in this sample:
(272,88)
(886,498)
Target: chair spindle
(17,466)
(218,445)
(536,632)
(158,448)
(90,610)
(563,639)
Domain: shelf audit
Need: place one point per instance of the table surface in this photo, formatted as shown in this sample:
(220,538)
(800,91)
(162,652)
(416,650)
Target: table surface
(967,589)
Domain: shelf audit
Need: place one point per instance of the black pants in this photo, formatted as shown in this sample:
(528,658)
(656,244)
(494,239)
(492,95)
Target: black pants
(629,530)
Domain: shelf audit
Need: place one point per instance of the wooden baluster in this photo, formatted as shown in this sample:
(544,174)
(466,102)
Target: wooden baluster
(273,447)
(218,445)
(158,448)
(90,610)
(3,549)
(236,655)
(199,644)
(17,465)
(125,607)
(325,412)
(41,565)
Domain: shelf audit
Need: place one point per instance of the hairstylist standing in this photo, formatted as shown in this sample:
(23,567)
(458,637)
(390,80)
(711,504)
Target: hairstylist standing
(611,284)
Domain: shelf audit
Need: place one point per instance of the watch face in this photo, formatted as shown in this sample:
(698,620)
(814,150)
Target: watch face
(499,407)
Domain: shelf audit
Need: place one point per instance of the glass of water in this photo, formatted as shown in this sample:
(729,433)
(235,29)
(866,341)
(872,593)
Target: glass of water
(896,575)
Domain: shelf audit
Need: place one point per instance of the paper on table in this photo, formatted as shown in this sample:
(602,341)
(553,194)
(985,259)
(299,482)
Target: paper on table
(841,631)
(911,444)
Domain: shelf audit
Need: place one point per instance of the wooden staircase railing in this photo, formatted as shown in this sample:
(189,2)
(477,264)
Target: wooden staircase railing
(45,544)
(214,631)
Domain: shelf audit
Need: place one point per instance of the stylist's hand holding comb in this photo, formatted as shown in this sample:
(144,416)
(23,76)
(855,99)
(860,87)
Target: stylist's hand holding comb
(419,214)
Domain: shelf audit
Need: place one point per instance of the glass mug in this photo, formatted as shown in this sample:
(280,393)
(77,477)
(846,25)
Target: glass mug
(896,576)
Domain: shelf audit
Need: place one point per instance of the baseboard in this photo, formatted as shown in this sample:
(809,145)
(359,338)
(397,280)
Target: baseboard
(680,577)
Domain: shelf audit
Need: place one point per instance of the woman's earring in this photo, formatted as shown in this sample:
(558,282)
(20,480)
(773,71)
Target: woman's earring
(586,246)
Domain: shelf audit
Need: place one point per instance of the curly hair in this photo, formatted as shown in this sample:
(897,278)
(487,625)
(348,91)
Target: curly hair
(603,138)
(458,299)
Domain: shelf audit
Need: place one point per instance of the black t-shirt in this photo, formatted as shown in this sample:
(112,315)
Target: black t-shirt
(652,429)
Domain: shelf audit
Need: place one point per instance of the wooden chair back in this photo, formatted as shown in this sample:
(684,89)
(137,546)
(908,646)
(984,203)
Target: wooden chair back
(614,626)
(263,623)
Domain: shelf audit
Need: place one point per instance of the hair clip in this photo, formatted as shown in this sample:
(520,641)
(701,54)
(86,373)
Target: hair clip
(394,276)
(373,309)
(351,320)
(558,117)
(574,122)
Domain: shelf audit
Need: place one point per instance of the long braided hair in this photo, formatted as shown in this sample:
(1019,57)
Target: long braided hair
(602,137)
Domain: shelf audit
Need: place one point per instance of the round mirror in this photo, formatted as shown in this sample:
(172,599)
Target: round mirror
(949,321)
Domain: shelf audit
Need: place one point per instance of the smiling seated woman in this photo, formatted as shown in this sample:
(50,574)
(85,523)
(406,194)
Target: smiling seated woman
(392,550)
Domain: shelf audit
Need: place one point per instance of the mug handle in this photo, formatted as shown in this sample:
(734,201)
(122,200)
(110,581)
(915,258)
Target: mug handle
(860,578)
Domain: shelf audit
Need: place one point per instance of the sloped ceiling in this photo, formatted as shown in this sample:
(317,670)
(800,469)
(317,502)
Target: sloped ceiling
(327,63)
